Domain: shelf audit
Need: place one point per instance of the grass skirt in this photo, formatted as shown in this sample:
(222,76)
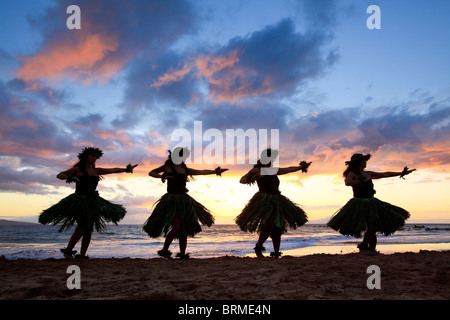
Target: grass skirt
(358,214)
(84,210)
(270,209)
(182,206)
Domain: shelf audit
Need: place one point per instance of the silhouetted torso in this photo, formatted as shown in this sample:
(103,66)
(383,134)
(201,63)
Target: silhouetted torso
(269,184)
(86,185)
(364,190)
(177,184)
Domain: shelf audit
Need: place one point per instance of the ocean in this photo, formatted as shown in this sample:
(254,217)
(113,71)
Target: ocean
(43,242)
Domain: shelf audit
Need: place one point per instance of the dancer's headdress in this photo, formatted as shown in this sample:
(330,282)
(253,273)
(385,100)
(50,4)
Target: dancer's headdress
(357,157)
(89,150)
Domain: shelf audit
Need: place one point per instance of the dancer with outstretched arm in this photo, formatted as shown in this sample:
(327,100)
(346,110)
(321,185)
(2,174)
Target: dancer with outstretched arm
(269,212)
(176,214)
(85,207)
(364,213)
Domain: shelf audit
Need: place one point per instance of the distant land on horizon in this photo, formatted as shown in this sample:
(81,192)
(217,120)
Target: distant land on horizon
(4,222)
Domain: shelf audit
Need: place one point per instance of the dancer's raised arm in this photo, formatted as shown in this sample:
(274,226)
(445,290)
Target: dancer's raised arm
(129,169)
(250,176)
(68,173)
(156,173)
(302,166)
(218,171)
(380,175)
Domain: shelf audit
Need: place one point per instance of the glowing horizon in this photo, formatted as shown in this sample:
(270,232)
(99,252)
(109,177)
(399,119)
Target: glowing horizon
(225,197)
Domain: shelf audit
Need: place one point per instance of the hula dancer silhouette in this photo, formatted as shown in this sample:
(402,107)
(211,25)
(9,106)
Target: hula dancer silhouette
(364,212)
(176,214)
(85,207)
(269,212)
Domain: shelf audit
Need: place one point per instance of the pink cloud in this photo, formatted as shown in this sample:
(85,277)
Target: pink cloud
(227,80)
(173,75)
(120,136)
(208,66)
(84,57)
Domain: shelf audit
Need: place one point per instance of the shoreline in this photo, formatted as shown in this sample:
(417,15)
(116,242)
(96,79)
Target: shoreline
(342,249)
(351,248)
(381,248)
(404,276)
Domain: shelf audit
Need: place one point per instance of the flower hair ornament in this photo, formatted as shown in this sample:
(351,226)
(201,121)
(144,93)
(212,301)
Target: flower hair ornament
(89,150)
(357,157)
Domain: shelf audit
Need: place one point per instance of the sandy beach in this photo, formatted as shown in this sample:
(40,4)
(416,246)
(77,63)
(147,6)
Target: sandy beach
(403,276)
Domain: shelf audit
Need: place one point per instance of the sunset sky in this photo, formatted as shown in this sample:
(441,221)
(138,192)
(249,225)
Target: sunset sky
(138,71)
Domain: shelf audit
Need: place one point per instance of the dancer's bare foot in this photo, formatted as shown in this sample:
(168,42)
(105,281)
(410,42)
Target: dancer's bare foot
(68,254)
(259,250)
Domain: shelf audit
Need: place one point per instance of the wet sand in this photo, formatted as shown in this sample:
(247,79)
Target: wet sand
(403,276)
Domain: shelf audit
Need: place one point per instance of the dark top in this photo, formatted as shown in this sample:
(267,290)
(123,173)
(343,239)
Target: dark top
(177,184)
(86,185)
(269,184)
(364,190)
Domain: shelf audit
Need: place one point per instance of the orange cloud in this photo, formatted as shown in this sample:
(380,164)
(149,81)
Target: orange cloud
(173,75)
(225,90)
(223,73)
(208,66)
(9,124)
(14,149)
(227,80)
(116,135)
(83,57)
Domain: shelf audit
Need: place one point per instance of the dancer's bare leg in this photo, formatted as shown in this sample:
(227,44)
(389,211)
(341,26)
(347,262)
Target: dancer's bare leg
(176,224)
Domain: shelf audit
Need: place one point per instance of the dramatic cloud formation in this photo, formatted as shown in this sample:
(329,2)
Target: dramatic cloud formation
(273,61)
(395,134)
(111,34)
